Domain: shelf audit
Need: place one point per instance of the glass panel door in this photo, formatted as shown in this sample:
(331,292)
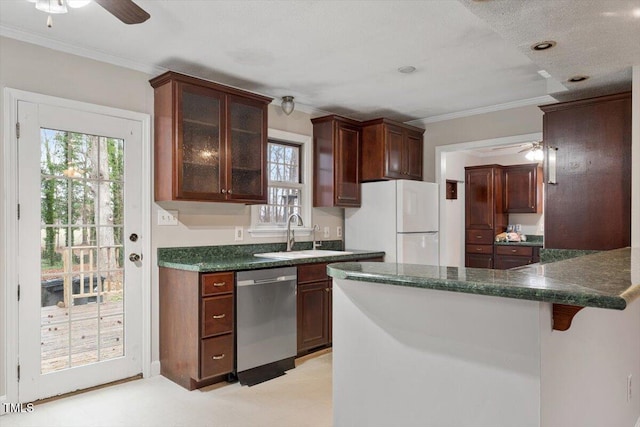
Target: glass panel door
(200,175)
(247,146)
(79,262)
(82,272)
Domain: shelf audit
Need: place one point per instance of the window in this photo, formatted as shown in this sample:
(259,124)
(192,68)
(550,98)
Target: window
(288,163)
(284,185)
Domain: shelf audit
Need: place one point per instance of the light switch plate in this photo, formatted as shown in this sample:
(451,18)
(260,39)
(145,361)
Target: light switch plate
(167,217)
(339,231)
(239,234)
(327,233)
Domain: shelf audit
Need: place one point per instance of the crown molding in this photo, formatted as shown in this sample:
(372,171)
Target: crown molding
(24,36)
(488,109)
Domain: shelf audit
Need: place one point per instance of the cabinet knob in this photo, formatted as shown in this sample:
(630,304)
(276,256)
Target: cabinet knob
(223,191)
(327,290)
(219,316)
(229,192)
(218,357)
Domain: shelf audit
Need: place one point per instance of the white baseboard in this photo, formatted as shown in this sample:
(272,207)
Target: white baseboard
(155,369)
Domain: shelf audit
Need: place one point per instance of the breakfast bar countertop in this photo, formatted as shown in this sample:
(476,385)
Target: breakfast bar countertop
(608,279)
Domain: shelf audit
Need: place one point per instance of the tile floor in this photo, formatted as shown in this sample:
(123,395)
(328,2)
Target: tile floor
(300,398)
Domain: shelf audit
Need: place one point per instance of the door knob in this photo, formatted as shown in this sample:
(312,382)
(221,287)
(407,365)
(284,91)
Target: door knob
(133,257)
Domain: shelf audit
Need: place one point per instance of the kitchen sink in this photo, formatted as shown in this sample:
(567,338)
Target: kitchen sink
(309,253)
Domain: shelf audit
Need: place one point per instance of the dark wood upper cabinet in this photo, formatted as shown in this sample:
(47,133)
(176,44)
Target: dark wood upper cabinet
(210,141)
(589,206)
(523,188)
(336,166)
(391,150)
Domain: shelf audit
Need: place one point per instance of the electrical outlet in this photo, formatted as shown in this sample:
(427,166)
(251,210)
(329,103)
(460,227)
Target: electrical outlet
(327,232)
(167,217)
(629,388)
(239,235)
(339,231)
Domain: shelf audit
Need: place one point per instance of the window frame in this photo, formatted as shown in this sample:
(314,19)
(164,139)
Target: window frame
(306,166)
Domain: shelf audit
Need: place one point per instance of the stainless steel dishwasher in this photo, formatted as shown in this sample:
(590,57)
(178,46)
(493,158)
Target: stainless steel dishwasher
(266,323)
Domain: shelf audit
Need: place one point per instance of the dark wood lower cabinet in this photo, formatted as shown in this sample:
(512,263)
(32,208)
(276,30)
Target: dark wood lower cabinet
(315,310)
(314,301)
(478,261)
(507,257)
(196,326)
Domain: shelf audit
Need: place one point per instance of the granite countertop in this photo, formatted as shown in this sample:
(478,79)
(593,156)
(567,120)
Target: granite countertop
(207,259)
(527,243)
(532,240)
(608,279)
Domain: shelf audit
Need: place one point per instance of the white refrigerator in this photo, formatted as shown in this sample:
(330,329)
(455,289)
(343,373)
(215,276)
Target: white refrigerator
(399,217)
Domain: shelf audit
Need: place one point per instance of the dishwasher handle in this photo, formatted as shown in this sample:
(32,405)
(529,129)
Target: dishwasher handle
(252,282)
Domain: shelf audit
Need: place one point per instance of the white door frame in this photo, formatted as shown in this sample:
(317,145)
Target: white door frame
(9,237)
(441,174)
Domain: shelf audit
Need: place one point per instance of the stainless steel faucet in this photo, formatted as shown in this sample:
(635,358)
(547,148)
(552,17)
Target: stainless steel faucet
(291,237)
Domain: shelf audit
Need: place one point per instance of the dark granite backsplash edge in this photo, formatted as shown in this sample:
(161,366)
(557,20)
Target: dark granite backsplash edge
(191,253)
(553,255)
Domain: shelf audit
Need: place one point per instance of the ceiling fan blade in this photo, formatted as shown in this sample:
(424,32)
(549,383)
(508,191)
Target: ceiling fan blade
(125,10)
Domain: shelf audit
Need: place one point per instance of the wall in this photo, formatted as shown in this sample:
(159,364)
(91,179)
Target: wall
(584,370)
(421,357)
(515,121)
(635,154)
(36,69)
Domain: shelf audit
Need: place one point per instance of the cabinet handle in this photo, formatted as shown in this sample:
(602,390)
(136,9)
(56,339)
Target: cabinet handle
(218,357)
(223,191)
(478,237)
(514,251)
(219,316)
(479,249)
(217,284)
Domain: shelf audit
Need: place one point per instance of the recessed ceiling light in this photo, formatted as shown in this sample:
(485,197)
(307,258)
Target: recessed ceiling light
(407,69)
(576,79)
(636,13)
(547,44)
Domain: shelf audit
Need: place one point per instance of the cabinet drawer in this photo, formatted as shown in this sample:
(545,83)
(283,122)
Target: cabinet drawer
(216,355)
(479,249)
(217,283)
(514,250)
(312,272)
(217,315)
(481,237)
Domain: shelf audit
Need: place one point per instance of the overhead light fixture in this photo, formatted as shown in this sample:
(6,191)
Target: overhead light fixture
(547,44)
(287,104)
(407,69)
(57,7)
(535,153)
(576,79)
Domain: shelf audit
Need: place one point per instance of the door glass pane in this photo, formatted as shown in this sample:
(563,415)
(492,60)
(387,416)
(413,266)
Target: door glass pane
(200,143)
(82,272)
(246,149)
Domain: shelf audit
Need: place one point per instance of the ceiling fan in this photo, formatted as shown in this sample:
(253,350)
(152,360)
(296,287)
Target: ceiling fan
(125,10)
(533,149)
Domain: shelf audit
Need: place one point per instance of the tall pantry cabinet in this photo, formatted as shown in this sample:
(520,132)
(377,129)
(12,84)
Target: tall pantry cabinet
(589,205)
(485,214)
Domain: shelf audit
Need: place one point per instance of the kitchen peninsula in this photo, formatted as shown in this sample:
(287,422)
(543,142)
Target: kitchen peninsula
(474,347)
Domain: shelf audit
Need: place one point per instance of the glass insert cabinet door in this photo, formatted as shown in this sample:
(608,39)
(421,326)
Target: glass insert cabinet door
(200,146)
(247,149)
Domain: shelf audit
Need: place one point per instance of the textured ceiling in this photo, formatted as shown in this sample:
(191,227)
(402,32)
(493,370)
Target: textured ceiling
(342,56)
(596,38)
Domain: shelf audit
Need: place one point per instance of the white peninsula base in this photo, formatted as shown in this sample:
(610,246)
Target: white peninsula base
(406,356)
